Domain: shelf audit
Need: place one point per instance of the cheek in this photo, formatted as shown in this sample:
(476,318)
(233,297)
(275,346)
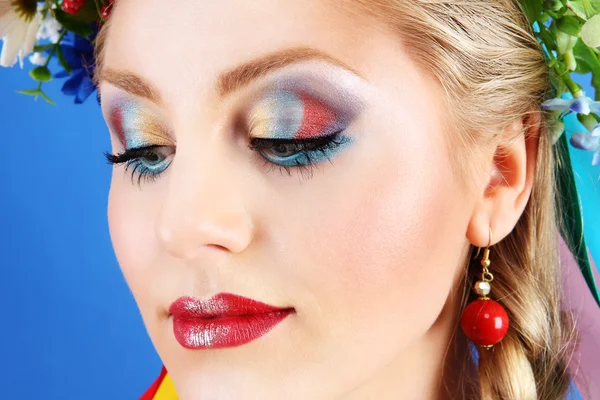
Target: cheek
(399,248)
(131,224)
(121,222)
(382,255)
(396,243)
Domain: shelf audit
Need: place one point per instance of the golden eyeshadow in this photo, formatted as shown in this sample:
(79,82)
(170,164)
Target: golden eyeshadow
(286,114)
(135,126)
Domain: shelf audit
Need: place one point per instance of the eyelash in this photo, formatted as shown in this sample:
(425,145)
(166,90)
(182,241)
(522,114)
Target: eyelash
(310,151)
(134,158)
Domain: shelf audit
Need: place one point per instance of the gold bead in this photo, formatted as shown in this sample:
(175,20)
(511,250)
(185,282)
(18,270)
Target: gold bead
(486,263)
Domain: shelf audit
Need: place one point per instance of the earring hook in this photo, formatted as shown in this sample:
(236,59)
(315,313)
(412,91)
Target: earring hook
(486,252)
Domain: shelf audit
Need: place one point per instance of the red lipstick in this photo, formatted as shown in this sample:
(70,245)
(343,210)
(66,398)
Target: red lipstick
(224,320)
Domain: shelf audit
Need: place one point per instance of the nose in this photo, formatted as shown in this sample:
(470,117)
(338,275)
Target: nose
(204,207)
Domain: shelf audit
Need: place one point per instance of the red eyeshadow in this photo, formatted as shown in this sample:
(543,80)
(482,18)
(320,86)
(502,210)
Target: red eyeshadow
(317,117)
(116,121)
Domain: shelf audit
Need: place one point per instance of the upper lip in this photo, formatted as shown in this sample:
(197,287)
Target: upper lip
(220,305)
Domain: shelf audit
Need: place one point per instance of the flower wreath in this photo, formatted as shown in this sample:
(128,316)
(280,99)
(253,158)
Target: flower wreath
(569,31)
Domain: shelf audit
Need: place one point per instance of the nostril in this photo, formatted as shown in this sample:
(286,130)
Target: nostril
(217,247)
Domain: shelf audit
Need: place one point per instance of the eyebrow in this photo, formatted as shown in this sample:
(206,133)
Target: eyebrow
(229,81)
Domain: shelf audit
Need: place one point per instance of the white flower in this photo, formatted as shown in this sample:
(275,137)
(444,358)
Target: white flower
(589,142)
(38,59)
(49,29)
(580,105)
(18,34)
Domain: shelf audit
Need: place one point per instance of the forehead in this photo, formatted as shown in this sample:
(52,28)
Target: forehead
(185,44)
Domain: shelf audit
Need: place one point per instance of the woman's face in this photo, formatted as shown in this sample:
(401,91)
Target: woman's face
(354,222)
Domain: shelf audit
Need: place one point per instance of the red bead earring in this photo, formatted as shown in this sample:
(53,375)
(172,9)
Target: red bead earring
(484,321)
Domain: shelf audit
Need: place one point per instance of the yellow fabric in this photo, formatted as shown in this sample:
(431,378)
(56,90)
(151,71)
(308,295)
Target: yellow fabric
(166,390)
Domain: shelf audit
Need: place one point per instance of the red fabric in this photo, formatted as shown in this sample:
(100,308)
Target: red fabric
(149,395)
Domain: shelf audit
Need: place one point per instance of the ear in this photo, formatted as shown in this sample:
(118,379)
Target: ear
(508,184)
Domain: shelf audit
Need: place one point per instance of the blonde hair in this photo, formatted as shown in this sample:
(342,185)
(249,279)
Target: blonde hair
(492,71)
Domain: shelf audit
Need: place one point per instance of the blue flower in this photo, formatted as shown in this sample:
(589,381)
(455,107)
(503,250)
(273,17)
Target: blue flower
(79,54)
(589,142)
(580,105)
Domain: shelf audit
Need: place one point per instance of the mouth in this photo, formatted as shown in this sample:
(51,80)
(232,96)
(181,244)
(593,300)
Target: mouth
(224,320)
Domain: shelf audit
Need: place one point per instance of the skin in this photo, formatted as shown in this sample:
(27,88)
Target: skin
(4,7)
(368,248)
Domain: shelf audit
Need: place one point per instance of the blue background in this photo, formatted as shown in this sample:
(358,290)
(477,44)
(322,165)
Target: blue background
(70,323)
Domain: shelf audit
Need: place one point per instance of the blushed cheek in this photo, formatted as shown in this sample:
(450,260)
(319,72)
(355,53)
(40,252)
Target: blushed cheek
(391,252)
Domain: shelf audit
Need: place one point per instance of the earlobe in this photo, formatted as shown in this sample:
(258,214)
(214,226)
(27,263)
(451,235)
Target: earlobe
(510,182)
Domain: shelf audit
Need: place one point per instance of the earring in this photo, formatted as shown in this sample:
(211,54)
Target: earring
(484,321)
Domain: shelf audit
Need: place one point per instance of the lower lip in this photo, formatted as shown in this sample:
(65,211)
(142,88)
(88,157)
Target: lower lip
(214,333)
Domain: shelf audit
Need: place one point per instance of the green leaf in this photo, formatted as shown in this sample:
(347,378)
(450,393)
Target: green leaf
(588,61)
(41,74)
(557,83)
(544,17)
(577,8)
(533,9)
(36,93)
(596,86)
(71,24)
(48,99)
(553,5)
(590,32)
(62,60)
(584,9)
(595,5)
(42,47)
(569,212)
(29,92)
(569,25)
(549,40)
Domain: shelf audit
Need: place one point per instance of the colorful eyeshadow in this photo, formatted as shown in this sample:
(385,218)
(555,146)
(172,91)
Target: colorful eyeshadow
(288,115)
(317,118)
(136,127)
